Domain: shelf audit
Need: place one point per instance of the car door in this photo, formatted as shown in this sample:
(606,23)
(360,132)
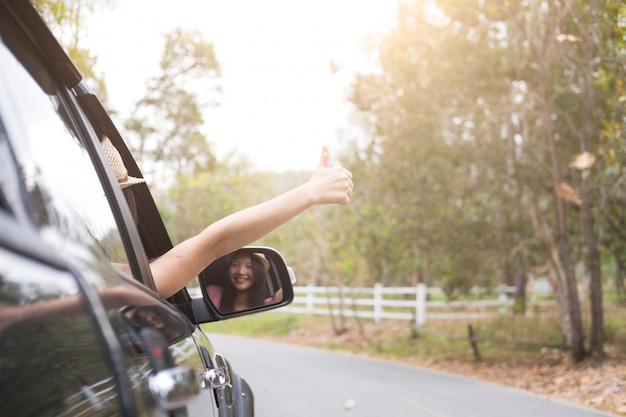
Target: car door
(51,363)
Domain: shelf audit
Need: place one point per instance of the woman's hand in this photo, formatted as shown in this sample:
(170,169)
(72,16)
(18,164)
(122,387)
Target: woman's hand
(330,185)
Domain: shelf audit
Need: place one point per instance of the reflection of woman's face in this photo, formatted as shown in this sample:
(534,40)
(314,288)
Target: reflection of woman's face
(240,272)
(151,319)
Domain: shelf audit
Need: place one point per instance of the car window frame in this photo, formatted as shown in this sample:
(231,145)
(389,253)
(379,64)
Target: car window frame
(133,245)
(149,233)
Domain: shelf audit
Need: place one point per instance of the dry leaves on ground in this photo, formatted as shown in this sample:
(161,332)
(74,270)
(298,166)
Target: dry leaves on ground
(602,387)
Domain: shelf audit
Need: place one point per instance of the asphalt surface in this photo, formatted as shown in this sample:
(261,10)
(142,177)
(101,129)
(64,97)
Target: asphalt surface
(297,381)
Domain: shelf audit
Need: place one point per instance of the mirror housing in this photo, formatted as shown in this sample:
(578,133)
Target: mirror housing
(256,276)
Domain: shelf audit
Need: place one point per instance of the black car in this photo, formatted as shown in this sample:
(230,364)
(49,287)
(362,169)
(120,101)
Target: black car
(78,336)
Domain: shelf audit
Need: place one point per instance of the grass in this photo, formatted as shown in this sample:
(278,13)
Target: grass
(393,340)
(259,325)
(505,338)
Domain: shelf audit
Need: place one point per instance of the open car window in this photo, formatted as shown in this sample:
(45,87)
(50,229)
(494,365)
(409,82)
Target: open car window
(66,199)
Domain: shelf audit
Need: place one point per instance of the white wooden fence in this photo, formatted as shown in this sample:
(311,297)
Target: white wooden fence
(402,303)
(399,303)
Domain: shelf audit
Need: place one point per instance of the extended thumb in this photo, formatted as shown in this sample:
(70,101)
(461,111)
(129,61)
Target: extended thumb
(324,158)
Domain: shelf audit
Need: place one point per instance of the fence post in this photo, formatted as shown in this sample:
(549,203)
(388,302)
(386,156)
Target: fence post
(502,300)
(420,304)
(378,302)
(310,299)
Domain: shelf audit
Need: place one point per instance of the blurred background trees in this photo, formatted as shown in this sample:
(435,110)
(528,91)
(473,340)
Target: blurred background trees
(493,129)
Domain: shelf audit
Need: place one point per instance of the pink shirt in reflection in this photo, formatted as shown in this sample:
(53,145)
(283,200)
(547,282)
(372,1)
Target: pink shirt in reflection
(216,292)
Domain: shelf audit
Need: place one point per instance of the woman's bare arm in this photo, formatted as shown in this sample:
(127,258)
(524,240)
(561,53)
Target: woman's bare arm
(177,267)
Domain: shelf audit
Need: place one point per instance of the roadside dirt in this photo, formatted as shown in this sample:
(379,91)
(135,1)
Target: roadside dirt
(597,385)
(602,387)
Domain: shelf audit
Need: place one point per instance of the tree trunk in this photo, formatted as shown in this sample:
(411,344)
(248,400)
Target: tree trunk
(620,269)
(577,350)
(520,294)
(595,271)
(556,274)
(566,264)
(586,212)
(564,251)
(595,286)
(539,33)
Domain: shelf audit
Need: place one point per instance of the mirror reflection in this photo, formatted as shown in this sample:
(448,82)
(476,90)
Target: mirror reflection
(156,317)
(241,280)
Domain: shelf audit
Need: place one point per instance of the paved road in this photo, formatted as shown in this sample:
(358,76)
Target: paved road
(292,381)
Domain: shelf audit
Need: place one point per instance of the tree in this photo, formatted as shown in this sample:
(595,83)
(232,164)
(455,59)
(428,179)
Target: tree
(575,47)
(166,125)
(67,19)
(479,116)
(203,198)
(579,50)
(436,157)
(610,87)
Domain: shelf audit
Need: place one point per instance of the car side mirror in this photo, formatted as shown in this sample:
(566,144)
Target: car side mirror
(250,279)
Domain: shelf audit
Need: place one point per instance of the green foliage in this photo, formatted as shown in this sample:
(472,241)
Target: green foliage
(436,164)
(200,199)
(500,340)
(612,89)
(67,20)
(456,178)
(267,324)
(474,119)
(165,130)
(616,328)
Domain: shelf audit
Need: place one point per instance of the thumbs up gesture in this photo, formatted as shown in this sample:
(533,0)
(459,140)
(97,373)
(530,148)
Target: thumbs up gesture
(331,184)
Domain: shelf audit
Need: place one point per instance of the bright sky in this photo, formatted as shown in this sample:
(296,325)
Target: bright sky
(280,102)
